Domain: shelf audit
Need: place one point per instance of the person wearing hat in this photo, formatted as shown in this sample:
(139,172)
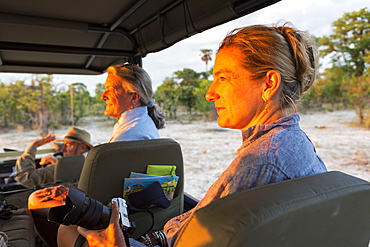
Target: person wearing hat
(76,142)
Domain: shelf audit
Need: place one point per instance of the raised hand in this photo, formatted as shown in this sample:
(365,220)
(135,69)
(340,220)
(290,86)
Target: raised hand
(46,139)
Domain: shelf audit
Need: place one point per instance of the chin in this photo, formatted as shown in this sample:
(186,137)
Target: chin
(226,125)
(221,123)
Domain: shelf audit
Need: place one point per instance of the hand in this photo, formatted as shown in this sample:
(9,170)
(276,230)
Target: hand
(48,159)
(112,236)
(48,197)
(42,141)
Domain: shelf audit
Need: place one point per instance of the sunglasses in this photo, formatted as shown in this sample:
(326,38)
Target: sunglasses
(129,66)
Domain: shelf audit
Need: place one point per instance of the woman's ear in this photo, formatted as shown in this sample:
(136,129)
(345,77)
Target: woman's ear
(272,84)
(135,98)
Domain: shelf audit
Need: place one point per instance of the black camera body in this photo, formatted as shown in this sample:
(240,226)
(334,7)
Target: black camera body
(86,212)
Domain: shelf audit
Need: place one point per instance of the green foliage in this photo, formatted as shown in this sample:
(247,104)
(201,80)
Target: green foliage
(166,97)
(347,81)
(350,42)
(41,104)
(184,89)
(203,105)
(357,91)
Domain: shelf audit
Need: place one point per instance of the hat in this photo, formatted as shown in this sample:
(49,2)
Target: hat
(77,135)
(153,195)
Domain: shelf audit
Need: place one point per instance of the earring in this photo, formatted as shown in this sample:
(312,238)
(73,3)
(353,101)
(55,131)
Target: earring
(266,106)
(266,103)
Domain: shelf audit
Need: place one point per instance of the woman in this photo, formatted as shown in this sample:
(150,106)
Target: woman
(128,96)
(260,73)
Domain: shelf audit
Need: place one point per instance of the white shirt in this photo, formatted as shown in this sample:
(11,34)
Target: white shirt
(134,125)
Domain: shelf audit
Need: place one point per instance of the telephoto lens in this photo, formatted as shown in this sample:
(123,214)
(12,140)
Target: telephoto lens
(82,211)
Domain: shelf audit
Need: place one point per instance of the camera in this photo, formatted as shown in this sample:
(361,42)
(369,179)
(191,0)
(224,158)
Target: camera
(86,212)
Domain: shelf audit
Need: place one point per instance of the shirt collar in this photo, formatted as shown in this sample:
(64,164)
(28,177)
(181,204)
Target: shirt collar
(137,112)
(256,131)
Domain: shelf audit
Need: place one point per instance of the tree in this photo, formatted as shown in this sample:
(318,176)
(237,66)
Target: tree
(40,104)
(206,57)
(189,80)
(187,77)
(202,105)
(348,48)
(349,44)
(81,100)
(358,93)
(166,97)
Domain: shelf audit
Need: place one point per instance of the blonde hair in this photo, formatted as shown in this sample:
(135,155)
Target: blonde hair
(134,79)
(283,48)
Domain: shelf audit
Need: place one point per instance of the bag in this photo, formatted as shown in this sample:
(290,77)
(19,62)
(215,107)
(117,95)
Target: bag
(5,209)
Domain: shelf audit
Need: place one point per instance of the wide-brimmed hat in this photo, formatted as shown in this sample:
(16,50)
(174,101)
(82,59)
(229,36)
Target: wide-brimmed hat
(77,135)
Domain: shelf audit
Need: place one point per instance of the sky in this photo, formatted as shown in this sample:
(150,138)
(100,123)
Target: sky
(314,16)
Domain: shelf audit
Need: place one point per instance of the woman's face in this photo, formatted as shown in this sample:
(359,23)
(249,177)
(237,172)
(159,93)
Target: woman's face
(238,100)
(115,97)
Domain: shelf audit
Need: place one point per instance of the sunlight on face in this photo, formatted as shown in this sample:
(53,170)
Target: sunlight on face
(117,101)
(70,148)
(237,99)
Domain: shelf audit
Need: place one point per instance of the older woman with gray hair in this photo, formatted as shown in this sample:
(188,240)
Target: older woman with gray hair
(128,96)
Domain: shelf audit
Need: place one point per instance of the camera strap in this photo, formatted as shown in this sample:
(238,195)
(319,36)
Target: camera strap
(142,201)
(80,241)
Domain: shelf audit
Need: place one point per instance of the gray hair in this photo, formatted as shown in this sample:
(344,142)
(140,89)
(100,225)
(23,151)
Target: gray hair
(283,48)
(136,80)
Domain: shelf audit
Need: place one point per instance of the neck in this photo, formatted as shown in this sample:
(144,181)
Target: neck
(267,115)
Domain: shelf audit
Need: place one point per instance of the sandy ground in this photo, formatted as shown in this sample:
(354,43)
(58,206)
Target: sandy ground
(209,149)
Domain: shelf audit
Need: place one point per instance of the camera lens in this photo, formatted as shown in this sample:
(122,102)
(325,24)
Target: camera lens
(82,211)
(96,216)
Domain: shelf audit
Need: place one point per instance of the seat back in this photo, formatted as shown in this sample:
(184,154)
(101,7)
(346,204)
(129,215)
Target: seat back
(108,164)
(328,209)
(68,169)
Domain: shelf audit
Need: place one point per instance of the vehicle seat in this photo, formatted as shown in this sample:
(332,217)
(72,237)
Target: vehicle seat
(108,164)
(68,169)
(330,209)
(19,228)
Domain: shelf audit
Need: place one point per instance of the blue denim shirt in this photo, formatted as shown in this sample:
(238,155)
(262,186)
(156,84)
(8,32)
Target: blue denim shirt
(269,153)
(134,125)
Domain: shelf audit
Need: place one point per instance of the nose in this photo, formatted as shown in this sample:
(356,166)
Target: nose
(211,94)
(103,96)
(64,148)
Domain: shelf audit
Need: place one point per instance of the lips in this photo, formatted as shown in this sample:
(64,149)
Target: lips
(220,108)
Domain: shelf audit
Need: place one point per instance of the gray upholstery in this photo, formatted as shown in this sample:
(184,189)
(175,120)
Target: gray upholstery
(329,210)
(68,169)
(108,164)
(19,228)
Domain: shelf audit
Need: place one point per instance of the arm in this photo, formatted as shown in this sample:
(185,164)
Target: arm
(26,172)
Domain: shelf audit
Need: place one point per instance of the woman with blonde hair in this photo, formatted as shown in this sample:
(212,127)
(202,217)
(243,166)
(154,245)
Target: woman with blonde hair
(260,74)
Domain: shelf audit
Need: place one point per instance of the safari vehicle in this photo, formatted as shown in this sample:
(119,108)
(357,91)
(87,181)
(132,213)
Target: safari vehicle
(85,37)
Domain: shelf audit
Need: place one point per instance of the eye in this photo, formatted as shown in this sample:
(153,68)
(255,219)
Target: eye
(224,77)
